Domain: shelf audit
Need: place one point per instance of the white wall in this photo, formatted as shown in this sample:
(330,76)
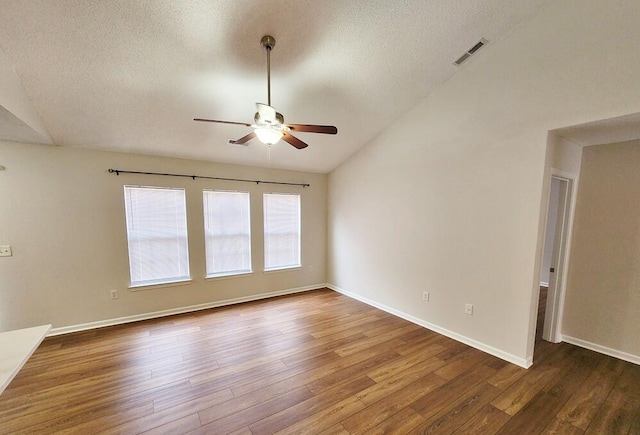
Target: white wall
(452,198)
(63,214)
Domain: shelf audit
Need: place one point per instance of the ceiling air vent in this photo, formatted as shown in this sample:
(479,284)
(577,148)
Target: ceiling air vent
(481,43)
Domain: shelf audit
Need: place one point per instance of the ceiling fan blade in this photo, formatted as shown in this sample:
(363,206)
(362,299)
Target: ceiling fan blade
(294,141)
(306,128)
(222,122)
(243,139)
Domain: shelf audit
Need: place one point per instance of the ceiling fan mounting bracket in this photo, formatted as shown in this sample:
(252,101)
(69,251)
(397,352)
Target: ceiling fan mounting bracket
(268,42)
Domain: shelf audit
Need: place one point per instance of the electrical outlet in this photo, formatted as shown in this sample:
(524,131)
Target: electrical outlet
(468,309)
(425,296)
(114,294)
(310,268)
(5,251)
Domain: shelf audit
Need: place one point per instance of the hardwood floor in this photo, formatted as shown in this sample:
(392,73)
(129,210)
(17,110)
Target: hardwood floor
(317,362)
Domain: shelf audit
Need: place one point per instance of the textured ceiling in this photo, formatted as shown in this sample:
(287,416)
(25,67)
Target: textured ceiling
(131,75)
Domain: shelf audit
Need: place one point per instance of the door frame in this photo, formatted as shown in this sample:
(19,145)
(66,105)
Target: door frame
(556,296)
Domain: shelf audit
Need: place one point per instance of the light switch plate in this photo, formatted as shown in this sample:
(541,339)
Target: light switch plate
(5,251)
(468,309)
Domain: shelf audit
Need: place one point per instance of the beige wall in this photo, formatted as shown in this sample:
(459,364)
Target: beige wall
(450,198)
(602,304)
(63,214)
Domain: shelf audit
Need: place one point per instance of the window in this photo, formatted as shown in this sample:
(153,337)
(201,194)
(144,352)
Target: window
(157,235)
(227,233)
(281,231)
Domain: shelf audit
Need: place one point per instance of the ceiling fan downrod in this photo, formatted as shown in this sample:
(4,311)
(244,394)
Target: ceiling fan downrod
(268,42)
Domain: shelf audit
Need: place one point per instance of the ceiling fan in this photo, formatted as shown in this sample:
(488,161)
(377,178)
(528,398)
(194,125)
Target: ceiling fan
(269,126)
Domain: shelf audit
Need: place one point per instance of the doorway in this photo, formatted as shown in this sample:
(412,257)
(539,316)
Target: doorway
(554,261)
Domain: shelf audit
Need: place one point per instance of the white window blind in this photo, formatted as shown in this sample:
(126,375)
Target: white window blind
(157,235)
(281,231)
(227,233)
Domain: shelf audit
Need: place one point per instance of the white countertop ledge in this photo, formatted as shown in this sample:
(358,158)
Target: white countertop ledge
(16,347)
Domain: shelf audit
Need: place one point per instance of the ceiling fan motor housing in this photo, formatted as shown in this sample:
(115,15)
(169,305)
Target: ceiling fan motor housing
(259,120)
(267,115)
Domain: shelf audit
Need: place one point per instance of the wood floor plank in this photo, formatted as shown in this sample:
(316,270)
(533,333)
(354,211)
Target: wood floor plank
(487,420)
(282,380)
(249,415)
(404,362)
(522,391)
(425,340)
(51,403)
(357,325)
(455,414)
(218,379)
(242,431)
(321,349)
(389,385)
(460,364)
(315,362)
(309,407)
(73,420)
(401,423)
(326,419)
(276,383)
(561,427)
(181,425)
(629,380)
(330,380)
(582,406)
(617,415)
(380,411)
(337,429)
(254,399)
(506,376)
(372,341)
(538,413)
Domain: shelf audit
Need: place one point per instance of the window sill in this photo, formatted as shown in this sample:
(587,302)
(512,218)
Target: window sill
(228,276)
(283,269)
(142,287)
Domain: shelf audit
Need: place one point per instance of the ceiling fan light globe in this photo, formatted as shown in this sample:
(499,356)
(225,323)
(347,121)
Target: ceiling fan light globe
(268,136)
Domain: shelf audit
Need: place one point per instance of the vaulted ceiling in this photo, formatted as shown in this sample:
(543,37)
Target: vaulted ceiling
(128,75)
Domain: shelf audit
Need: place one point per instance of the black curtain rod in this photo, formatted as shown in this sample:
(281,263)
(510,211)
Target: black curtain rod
(121,171)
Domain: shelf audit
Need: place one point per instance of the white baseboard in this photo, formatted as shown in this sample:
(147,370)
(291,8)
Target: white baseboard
(180,310)
(522,362)
(602,349)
